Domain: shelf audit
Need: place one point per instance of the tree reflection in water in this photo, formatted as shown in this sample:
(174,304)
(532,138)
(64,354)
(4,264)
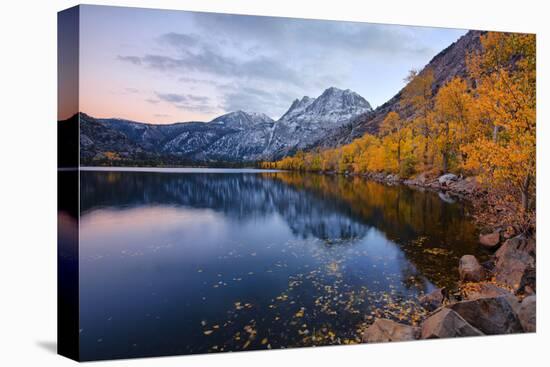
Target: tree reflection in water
(199,262)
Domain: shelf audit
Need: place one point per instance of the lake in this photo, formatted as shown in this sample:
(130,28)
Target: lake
(182,261)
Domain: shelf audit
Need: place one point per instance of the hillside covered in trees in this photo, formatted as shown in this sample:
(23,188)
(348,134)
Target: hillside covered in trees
(482,125)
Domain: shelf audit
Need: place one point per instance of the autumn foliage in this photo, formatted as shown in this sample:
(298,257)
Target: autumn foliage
(482,125)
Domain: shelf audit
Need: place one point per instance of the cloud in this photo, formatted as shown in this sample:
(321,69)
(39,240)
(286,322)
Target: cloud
(171,97)
(209,62)
(179,39)
(178,98)
(238,97)
(131,59)
(188,102)
(262,64)
(198,108)
(306,34)
(184,79)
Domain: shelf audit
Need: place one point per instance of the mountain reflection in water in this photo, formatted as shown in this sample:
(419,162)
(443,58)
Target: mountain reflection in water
(178,263)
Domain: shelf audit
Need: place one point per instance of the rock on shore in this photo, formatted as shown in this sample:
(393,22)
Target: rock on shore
(470,270)
(433,300)
(446,323)
(515,264)
(383,330)
(527,314)
(491,316)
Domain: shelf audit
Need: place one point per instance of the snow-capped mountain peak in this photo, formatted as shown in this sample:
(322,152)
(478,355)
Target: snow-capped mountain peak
(298,106)
(242,120)
(309,120)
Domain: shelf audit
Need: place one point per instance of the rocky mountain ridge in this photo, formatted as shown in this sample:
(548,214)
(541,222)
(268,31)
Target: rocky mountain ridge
(447,64)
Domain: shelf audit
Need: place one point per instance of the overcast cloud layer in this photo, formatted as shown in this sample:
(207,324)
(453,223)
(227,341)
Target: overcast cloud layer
(165,66)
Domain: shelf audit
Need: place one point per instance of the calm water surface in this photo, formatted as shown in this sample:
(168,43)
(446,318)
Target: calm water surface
(196,261)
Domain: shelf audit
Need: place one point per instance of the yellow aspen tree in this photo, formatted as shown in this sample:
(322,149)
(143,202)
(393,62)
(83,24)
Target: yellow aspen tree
(505,76)
(418,95)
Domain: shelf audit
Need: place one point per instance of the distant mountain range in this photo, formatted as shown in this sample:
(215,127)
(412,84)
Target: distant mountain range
(234,137)
(334,118)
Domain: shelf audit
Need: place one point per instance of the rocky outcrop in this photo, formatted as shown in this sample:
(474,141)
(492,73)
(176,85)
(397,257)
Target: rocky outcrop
(383,330)
(470,270)
(515,264)
(495,315)
(446,323)
(527,314)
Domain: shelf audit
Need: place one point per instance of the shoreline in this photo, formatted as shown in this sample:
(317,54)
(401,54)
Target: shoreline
(464,188)
(175,169)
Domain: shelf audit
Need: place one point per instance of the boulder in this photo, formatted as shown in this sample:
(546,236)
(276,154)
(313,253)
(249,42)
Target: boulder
(446,179)
(470,270)
(515,264)
(490,240)
(446,323)
(432,300)
(527,314)
(495,315)
(484,290)
(383,330)
(467,186)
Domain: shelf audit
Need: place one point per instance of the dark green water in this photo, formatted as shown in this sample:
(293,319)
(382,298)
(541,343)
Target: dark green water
(226,260)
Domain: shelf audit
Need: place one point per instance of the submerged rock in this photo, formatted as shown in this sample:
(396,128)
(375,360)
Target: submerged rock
(446,323)
(383,330)
(515,264)
(495,315)
(490,240)
(470,270)
(527,314)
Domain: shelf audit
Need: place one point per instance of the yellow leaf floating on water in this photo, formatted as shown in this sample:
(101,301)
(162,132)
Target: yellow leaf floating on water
(208,332)
(436,251)
(300,313)
(264,341)
(246,344)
